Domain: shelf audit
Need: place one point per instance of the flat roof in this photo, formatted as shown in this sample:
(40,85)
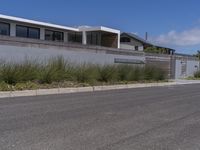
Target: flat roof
(98,28)
(17,19)
(39,23)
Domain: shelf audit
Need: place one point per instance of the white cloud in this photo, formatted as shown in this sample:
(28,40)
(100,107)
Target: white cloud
(189,37)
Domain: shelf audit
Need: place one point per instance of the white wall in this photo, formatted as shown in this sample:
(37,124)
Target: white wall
(17,54)
(12,29)
(126,46)
(131,47)
(42,33)
(191,67)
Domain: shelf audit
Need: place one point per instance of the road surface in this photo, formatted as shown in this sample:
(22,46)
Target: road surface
(158,118)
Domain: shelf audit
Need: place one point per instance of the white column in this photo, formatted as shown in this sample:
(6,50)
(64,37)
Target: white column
(84,38)
(65,37)
(118,43)
(12,29)
(42,34)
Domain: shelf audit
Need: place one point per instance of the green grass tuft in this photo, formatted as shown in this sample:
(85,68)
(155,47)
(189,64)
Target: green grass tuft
(57,70)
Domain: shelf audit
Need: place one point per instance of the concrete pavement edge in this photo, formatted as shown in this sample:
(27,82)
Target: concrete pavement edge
(39,92)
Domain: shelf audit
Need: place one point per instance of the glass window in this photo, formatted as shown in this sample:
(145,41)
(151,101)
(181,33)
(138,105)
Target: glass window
(53,35)
(21,31)
(49,35)
(75,37)
(27,32)
(34,33)
(58,36)
(136,48)
(94,38)
(89,37)
(4,28)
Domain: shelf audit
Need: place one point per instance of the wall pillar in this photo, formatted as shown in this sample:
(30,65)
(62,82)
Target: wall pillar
(42,34)
(12,29)
(65,37)
(118,42)
(84,38)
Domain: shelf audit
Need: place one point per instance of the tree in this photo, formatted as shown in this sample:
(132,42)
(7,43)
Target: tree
(198,54)
(154,49)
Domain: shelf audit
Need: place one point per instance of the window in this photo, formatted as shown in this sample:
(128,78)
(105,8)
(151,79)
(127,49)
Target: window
(27,32)
(4,28)
(21,31)
(54,35)
(125,39)
(75,37)
(94,38)
(49,35)
(136,48)
(34,33)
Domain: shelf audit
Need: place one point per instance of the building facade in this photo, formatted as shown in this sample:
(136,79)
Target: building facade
(133,42)
(136,43)
(22,38)
(24,28)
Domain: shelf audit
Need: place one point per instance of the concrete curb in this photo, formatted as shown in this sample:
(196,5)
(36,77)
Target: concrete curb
(87,89)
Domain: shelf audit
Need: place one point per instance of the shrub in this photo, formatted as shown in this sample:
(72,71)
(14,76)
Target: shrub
(26,86)
(81,73)
(12,73)
(124,72)
(5,87)
(136,74)
(107,73)
(59,70)
(86,73)
(53,70)
(9,73)
(27,71)
(159,74)
(197,74)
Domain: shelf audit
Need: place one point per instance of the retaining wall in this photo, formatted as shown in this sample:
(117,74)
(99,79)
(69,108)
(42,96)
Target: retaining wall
(17,49)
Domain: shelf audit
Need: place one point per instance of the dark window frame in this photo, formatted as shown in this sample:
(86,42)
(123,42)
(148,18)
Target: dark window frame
(28,33)
(75,37)
(94,38)
(54,33)
(5,23)
(137,48)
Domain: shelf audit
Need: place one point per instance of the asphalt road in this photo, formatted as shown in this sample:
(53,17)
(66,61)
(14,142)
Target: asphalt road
(159,118)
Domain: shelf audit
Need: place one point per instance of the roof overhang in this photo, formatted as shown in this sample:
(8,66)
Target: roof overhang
(100,28)
(38,23)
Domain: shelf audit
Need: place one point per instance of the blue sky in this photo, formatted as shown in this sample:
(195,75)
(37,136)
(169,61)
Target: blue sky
(172,23)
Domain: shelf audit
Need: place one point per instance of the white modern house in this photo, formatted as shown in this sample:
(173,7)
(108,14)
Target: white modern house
(25,28)
(23,38)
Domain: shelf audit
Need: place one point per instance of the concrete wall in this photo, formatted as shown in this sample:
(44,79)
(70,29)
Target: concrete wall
(161,61)
(18,49)
(192,67)
(14,53)
(186,68)
(12,29)
(126,46)
(131,47)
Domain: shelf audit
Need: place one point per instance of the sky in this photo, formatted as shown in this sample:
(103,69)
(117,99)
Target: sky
(171,23)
